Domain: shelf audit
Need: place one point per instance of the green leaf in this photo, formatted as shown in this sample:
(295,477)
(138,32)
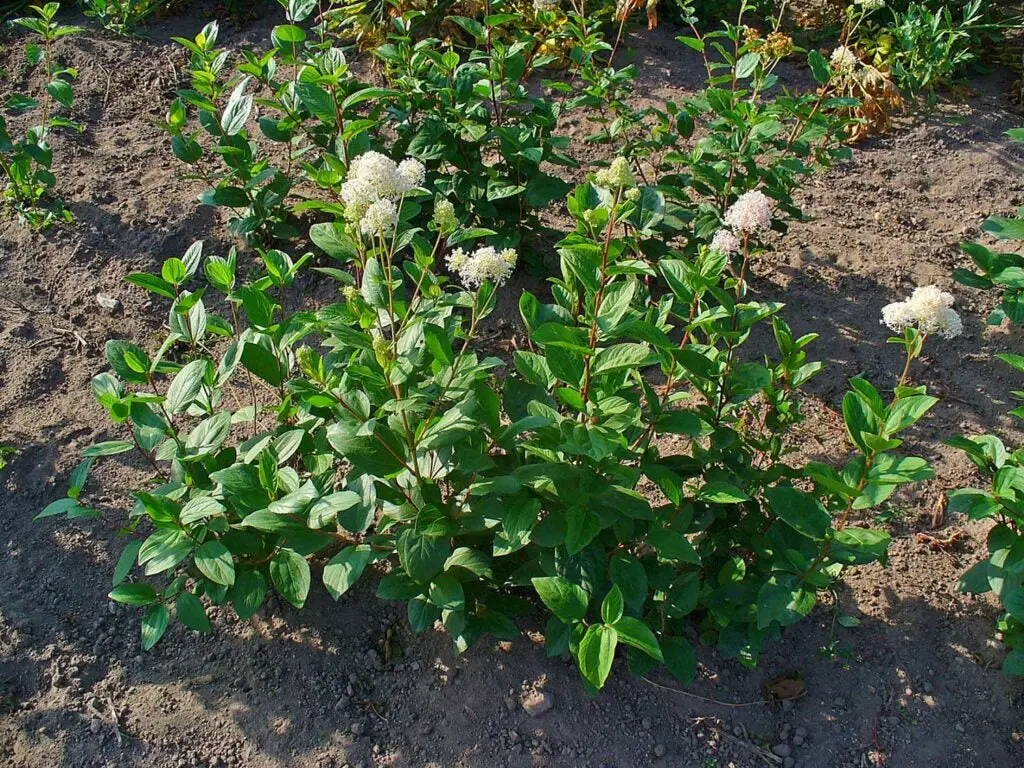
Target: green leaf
(680,658)
(374,286)
(682,422)
(819,66)
(248,593)
(153,284)
(287,35)
(397,586)
(447,594)
(861,545)
(133,594)
(563,598)
(66,505)
(1013,602)
(439,343)
(470,561)
(126,561)
(975,580)
(672,545)
(423,557)
(129,362)
(628,573)
(1013,664)
(367,94)
(164,549)
(619,357)
(613,605)
(344,569)
(108,448)
(422,613)
(239,107)
(214,561)
(637,634)
(722,493)
(781,599)
(186,386)
(319,102)
(906,411)
(582,526)
(800,511)
(290,573)
(1004,229)
(154,624)
(747,64)
(332,238)
(596,654)
(261,361)
(191,613)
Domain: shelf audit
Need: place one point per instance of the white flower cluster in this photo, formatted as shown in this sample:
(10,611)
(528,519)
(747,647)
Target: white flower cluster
(725,242)
(545,5)
(616,176)
(374,183)
(380,218)
(844,60)
(871,5)
(483,265)
(928,308)
(750,214)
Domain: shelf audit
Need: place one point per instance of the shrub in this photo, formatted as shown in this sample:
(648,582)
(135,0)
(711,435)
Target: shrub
(26,163)
(374,430)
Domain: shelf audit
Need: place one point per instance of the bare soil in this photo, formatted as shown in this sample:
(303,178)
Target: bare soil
(916,684)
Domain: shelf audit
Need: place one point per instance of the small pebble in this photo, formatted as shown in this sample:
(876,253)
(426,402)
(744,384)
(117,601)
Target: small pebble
(109,303)
(536,703)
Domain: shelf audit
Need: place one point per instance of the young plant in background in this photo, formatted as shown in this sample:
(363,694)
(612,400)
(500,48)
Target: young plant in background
(249,185)
(927,48)
(473,122)
(742,132)
(122,17)
(309,105)
(26,163)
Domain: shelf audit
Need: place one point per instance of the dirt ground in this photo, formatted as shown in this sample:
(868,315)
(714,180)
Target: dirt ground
(914,685)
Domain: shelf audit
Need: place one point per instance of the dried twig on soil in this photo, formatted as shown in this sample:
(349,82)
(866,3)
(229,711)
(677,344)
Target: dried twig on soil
(15,304)
(106,93)
(710,701)
(72,332)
